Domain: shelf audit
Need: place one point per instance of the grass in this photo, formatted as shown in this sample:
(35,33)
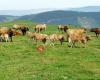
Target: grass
(19,60)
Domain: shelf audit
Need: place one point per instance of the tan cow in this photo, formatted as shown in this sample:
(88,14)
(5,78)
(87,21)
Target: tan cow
(5,33)
(55,37)
(40,27)
(77,35)
(16,26)
(76,31)
(73,38)
(37,36)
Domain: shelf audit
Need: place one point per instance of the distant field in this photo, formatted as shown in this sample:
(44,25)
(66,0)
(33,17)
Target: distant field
(19,60)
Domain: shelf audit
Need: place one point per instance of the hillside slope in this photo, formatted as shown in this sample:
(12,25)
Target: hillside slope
(61,17)
(5,18)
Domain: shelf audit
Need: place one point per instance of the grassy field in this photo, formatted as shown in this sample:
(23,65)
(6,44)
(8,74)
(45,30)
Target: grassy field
(19,60)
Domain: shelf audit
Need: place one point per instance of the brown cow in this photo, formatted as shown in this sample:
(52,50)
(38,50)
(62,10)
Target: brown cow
(37,36)
(96,31)
(22,28)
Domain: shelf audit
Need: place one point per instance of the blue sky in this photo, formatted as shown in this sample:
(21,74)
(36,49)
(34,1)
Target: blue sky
(39,4)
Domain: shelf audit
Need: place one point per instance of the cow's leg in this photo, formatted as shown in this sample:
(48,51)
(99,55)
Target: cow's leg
(45,29)
(61,41)
(25,32)
(52,43)
(11,39)
(22,32)
(36,41)
(10,36)
(84,45)
(44,40)
(0,39)
(73,44)
(97,35)
(70,42)
(35,29)
(7,39)
(83,42)
(38,30)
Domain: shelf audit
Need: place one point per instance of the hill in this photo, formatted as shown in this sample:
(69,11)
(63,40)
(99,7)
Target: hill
(62,17)
(59,17)
(5,18)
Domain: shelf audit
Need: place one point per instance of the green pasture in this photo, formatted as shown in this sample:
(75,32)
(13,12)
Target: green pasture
(20,60)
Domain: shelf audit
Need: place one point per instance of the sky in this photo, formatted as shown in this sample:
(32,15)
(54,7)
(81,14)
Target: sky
(44,4)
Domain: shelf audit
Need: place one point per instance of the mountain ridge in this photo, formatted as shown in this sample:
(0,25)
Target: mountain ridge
(36,11)
(62,17)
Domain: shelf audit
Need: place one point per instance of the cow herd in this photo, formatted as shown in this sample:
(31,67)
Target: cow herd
(70,35)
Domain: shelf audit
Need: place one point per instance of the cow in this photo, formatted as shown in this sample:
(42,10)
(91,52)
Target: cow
(40,27)
(96,31)
(37,36)
(6,33)
(77,35)
(73,38)
(22,28)
(63,28)
(16,26)
(76,31)
(4,37)
(55,37)
(31,35)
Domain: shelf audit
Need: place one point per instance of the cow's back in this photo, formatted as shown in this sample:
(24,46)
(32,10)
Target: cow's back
(4,30)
